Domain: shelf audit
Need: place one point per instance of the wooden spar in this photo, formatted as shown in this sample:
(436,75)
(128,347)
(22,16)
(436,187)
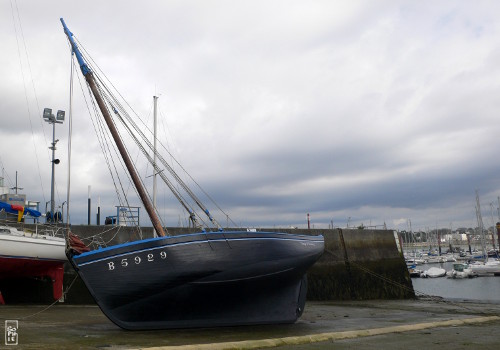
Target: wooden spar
(128,163)
(89,76)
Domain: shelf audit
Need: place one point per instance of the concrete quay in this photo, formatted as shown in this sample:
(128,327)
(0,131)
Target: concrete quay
(388,324)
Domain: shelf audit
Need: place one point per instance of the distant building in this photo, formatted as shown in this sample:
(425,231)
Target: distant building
(15,198)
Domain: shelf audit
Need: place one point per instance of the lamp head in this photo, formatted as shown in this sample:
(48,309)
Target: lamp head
(60,115)
(47,114)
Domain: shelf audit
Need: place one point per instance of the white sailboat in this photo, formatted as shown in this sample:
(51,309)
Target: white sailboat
(31,254)
(490,266)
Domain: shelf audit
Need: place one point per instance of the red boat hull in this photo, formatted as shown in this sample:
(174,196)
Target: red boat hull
(20,267)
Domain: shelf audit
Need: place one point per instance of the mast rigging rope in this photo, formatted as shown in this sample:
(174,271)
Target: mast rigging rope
(140,139)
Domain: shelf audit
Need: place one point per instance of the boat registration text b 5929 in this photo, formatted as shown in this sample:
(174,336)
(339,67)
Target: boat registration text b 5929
(136,260)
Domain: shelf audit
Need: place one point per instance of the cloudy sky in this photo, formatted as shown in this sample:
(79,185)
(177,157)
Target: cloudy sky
(357,112)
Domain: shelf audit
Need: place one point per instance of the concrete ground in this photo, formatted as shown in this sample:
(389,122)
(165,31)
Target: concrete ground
(401,324)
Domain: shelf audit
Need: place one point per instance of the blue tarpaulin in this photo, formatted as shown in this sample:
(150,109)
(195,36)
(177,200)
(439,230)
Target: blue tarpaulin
(14,209)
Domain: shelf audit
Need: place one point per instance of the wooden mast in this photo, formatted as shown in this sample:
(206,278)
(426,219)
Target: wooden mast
(89,76)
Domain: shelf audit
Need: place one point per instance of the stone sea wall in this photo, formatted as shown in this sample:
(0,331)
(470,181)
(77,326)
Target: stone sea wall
(358,264)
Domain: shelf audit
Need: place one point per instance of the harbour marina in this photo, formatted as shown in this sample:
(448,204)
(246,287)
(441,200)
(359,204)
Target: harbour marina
(128,279)
(479,289)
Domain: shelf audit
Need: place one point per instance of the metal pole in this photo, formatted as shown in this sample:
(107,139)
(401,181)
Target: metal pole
(70,132)
(155,98)
(498,208)
(98,221)
(52,202)
(16,186)
(89,207)
(62,208)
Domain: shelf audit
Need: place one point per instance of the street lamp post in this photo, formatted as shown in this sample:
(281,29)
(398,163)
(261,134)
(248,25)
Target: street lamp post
(51,119)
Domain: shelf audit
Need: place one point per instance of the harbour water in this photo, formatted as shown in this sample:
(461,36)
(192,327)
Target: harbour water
(485,289)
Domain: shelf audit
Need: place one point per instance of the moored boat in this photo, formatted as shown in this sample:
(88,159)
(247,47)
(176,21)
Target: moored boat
(414,272)
(461,271)
(209,278)
(434,272)
(489,268)
(200,280)
(31,254)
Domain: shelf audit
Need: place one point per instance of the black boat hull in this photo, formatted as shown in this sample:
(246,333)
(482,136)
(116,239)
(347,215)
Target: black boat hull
(201,280)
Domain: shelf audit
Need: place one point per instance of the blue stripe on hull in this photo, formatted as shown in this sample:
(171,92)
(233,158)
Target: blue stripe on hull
(109,249)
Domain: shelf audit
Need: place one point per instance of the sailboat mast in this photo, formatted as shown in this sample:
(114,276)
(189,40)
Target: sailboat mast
(481,226)
(89,76)
(155,98)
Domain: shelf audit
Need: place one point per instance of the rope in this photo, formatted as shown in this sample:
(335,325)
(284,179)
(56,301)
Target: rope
(108,98)
(102,136)
(146,127)
(100,234)
(150,159)
(144,145)
(49,306)
(105,132)
(44,229)
(26,94)
(145,140)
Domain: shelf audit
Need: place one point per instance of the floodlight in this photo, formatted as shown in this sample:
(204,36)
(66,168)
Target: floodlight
(47,113)
(60,115)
